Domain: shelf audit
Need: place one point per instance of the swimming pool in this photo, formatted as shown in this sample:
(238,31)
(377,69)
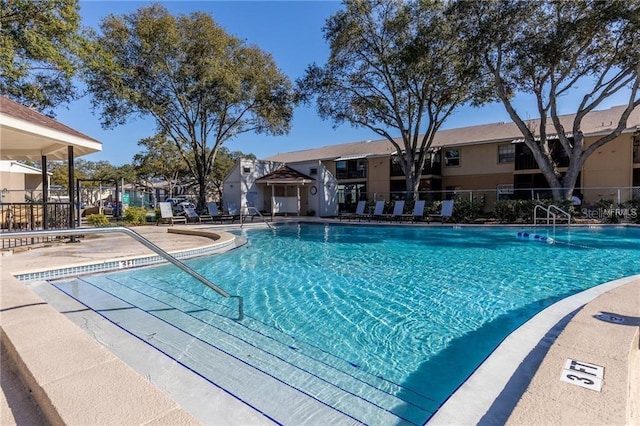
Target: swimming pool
(394,317)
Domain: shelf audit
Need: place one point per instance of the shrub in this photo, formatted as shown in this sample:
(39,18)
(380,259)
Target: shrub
(465,210)
(97,220)
(506,211)
(135,215)
(634,210)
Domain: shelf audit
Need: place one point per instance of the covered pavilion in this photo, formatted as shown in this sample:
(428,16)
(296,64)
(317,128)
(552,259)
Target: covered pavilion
(26,134)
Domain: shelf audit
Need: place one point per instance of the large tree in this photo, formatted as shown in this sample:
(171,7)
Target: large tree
(160,158)
(397,68)
(201,85)
(38,47)
(550,50)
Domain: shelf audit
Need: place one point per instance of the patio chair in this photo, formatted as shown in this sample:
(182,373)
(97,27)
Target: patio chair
(398,210)
(214,215)
(233,211)
(446,211)
(191,215)
(378,211)
(166,215)
(418,211)
(359,213)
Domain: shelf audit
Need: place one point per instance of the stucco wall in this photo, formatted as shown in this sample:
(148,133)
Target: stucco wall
(477,160)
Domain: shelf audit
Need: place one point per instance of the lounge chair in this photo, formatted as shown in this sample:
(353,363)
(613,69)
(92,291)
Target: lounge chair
(167,216)
(214,215)
(398,210)
(233,211)
(378,211)
(191,215)
(446,211)
(418,211)
(358,214)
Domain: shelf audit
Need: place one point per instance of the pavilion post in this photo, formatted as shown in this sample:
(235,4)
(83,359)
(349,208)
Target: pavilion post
(45,192)
(72,192)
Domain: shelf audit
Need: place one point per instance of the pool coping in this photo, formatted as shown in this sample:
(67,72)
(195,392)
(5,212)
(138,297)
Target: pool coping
(473,401)
(499,392)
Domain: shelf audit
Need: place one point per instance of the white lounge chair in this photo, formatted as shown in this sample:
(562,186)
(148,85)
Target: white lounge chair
(446,211)
(166,215)
(233,211)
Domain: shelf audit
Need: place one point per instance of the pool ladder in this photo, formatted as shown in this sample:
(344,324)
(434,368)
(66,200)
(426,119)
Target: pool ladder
(142,240)
(250,210)
(551,217)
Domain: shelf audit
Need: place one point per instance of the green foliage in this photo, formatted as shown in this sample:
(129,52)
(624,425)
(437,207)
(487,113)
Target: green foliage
(465,210)
(397,68)
(84,169)
(546,49)
(98,220)
(202,86)
(634,210)
(135,215)
(511,211)
(38,46)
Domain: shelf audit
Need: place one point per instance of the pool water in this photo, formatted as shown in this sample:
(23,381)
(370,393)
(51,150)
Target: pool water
(416,308)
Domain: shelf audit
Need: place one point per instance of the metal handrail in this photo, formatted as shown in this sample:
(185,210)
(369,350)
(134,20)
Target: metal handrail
(142,240)
(550,214)
(251,208)
(561,211)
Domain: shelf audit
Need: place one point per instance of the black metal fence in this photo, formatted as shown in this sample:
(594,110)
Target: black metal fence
(32,216)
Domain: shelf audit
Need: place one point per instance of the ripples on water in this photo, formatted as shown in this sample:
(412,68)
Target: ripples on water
(407,304)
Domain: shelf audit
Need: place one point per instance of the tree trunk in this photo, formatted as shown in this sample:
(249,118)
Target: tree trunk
(202,191)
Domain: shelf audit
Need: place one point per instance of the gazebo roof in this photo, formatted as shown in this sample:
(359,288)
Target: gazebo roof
(26,134)
(285,175)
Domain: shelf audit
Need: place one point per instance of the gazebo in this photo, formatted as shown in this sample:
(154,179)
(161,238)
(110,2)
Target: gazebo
(28,135)
(283,182)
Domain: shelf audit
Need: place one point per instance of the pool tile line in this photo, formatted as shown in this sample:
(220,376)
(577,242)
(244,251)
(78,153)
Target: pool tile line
(120,264)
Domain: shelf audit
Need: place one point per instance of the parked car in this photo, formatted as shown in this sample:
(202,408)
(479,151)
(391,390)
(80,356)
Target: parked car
(179,203)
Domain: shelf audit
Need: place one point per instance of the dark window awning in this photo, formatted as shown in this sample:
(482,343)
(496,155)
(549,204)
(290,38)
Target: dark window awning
(549,138)
(352,157)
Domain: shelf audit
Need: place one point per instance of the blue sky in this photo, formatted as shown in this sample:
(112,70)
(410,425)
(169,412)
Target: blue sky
(291,31)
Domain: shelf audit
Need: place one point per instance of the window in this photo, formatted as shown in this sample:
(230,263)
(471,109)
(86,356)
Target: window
(313,171)
(452,158)
(246,170)
(506,153)
(351,169)
(505,191)
(636,149)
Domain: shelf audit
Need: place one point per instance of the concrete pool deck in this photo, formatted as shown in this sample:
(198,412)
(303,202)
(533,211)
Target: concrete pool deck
(72,379)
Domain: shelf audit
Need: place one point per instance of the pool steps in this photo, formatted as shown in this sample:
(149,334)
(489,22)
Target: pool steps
(240,354)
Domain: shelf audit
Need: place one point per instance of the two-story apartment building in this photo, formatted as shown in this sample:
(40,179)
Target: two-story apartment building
(491,159)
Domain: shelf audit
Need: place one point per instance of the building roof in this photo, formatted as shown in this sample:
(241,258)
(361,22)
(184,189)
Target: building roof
(285,175)
(596,122)
(15,167)
(26,134)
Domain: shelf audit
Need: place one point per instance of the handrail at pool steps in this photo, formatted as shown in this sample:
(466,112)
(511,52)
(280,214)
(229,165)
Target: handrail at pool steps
(250,210)
(550,215)
(142,240)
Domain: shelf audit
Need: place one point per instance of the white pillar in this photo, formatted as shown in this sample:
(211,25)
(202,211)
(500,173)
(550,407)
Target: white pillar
(273,200)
